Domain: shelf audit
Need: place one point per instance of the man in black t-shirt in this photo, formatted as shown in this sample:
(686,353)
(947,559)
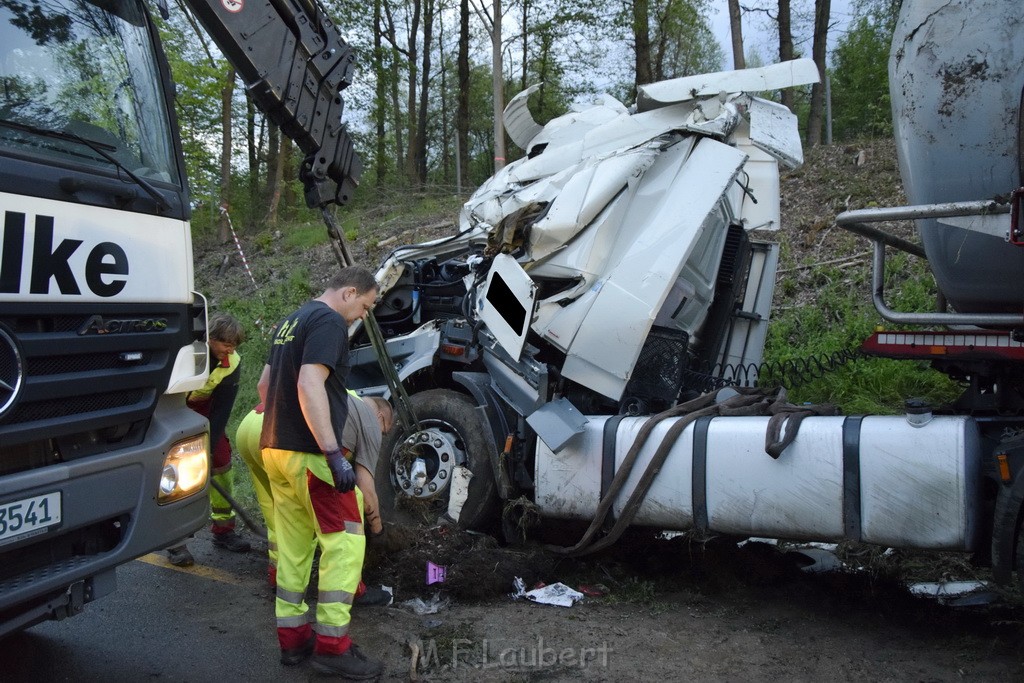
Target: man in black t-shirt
(311,477)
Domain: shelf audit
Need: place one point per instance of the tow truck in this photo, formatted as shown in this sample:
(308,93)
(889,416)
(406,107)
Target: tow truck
(101,333)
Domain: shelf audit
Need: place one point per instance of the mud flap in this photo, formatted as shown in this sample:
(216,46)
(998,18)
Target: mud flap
(1005,526)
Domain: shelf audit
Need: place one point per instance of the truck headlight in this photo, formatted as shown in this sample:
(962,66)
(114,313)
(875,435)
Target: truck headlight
(186,469)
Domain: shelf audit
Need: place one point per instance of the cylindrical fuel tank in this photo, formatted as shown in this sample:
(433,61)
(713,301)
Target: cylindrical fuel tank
(956,76)
(875,479)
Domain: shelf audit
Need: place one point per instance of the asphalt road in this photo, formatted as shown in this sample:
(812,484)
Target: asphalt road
(211,622)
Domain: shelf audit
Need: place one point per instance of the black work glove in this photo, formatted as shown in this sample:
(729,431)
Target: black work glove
(341,470)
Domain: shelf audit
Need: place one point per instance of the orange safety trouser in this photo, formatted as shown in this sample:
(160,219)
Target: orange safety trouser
(306,504)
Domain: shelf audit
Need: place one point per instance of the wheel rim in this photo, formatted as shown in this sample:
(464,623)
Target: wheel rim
(422,463)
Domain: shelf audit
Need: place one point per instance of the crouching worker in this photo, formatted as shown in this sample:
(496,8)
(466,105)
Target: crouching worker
(214,402)
(360,436)
(312,478)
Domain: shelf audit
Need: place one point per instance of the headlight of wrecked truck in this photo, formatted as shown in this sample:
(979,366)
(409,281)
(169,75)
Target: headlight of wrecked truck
(186,469)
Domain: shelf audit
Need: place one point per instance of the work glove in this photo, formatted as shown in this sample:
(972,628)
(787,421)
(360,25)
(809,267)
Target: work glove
(341,470)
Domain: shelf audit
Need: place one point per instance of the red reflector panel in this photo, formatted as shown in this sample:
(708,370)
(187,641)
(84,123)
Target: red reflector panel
(925,345)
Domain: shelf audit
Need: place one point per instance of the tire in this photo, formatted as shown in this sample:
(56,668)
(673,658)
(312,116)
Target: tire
(451,433)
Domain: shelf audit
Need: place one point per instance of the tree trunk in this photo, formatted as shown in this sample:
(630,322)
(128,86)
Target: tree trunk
(822,10)
(413,56)
(421,125)
(739,61)
(226,94)
(379,112)
(446,154)
(526,34)
(786,48)
(498,81)
(658,61)
(396,109)
(641,44)
(462,113)
(289,171)
(254,163)
(274,175)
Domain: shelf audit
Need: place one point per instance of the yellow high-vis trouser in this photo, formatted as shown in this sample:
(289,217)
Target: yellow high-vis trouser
(247,440)
(306,503)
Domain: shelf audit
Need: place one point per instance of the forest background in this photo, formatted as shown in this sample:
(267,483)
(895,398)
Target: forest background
(431,75)
(421,110)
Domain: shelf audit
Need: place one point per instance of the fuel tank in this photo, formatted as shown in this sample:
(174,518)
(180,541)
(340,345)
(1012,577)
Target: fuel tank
(876,479)
(956,75)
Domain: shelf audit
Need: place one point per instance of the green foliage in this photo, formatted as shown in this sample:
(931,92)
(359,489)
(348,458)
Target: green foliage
(837,321)
(682,43)
(197,104)
(305,236)
(860,81)
(258,314)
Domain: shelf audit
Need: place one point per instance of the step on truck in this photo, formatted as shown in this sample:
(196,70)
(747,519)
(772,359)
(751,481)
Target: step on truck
(101,333)
(575,348)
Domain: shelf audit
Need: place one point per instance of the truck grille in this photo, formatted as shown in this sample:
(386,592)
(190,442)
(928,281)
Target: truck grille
(92,374)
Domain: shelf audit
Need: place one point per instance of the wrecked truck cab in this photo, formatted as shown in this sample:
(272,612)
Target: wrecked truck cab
(611,270)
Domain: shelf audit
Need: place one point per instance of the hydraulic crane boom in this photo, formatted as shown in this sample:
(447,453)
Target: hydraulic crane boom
(295,63)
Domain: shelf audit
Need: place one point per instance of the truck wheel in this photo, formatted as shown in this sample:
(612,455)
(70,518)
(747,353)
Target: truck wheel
(415,471)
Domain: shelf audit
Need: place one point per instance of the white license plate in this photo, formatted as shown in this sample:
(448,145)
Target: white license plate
(29,516)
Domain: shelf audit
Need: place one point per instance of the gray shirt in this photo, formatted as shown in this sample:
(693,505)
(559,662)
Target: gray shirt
(361,434)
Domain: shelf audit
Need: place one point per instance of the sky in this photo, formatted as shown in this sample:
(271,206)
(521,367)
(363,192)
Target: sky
(756,34)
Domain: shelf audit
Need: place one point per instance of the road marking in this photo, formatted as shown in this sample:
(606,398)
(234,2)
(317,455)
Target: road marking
(196,569)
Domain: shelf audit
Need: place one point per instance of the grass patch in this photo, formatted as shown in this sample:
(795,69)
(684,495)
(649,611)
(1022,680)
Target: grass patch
(299,237)
(829,329)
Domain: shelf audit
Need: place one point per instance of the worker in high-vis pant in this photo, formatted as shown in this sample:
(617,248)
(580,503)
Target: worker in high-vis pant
(214,401)
(311,476)
(360,436)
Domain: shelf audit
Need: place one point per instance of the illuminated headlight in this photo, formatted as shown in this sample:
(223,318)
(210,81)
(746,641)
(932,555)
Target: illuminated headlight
(186,469)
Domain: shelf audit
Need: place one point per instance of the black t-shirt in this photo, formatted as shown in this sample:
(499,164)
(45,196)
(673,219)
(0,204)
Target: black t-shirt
(313,335)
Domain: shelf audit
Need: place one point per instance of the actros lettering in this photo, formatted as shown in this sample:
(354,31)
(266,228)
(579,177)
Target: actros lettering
(104,264)
(97,324)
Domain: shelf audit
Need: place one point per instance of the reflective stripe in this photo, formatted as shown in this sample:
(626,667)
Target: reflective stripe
(293,622)
(333,631)
(291,597)
(354,528)
(343,597)
(217,375)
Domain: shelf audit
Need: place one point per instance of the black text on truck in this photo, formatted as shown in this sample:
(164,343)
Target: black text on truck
(101,334)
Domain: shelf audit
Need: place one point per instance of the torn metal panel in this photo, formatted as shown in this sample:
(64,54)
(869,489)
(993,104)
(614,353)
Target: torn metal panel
(610,339)
(519,123)
(556,422)
(773,128)
(590,187)
(772,77)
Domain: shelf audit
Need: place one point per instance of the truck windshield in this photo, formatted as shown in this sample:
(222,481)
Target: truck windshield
(89,69)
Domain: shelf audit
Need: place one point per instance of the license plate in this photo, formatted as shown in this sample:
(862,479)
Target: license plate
(29,516)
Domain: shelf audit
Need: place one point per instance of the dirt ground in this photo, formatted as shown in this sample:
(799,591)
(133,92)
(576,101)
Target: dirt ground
(676,609)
